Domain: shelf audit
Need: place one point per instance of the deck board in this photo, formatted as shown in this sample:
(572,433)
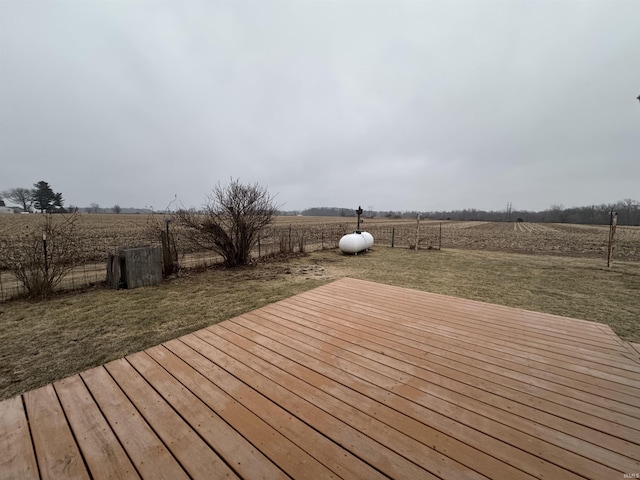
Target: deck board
(56,450)
(99,446)
(18,459)
(349,380)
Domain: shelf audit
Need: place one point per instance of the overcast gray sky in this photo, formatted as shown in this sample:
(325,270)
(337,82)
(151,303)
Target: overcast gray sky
(424,105)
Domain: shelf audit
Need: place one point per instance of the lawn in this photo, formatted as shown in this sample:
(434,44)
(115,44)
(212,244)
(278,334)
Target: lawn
(45,341)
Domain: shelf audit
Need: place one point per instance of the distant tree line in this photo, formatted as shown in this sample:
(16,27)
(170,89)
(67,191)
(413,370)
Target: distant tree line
(628,211)
(329,212)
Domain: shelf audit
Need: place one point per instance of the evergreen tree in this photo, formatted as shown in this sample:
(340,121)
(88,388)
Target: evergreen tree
(44,198)
(58,200)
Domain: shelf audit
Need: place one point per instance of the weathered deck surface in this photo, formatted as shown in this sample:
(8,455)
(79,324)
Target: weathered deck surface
(350,380)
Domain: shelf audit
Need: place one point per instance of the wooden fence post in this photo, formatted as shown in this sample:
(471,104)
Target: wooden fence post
(613,221)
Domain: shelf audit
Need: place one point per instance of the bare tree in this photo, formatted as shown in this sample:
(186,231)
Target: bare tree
(232,219)
(630,208)
(94,208)
(21,196)
(116,208)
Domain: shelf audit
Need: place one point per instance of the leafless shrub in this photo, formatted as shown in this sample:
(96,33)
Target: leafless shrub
(41,257)
(231,222)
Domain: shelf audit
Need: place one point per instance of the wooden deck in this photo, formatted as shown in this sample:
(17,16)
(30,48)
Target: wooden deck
(350,380)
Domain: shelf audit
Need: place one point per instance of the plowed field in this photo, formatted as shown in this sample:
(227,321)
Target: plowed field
(544,238)
(105,231)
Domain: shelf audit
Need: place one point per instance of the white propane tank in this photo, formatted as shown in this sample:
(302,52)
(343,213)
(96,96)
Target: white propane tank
(355,242)
(368,239)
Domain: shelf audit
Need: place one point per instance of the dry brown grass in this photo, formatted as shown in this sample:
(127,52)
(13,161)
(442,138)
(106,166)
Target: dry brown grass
(42,342)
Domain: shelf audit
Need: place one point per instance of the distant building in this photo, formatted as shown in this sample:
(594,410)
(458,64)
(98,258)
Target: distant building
(5,209)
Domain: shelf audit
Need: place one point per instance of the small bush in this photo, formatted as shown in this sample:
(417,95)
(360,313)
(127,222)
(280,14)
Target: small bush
(231,222)
(41,257)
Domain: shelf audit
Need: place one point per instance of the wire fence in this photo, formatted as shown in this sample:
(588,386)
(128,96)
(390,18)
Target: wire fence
(92,252)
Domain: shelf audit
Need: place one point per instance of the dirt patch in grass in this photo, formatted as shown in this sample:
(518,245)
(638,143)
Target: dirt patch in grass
(46,341)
